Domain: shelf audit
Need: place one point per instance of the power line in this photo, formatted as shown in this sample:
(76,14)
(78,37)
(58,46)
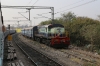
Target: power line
(72,7)
(70,4)
(44,13)
(77,6)
(29,2)
(14,20)
(64,6)
(35,2)
(43,16)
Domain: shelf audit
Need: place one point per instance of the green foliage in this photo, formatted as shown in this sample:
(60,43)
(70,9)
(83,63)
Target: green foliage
(45,22)
(68,17)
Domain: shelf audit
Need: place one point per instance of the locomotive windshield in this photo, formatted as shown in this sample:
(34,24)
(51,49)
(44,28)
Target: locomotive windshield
(57,30)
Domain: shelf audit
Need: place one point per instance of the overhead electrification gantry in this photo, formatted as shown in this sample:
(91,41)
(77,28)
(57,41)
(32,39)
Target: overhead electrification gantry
(32,7)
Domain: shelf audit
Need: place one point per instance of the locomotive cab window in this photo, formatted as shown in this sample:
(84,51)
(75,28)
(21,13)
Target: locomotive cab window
(57,30)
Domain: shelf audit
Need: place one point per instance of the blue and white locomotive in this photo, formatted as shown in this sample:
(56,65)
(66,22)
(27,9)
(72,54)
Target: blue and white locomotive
(52,34)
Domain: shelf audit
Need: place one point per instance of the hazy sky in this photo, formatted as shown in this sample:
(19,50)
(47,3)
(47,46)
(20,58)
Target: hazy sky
(79,7)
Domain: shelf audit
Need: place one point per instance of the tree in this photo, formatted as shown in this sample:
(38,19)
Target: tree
(99,17)
(68,17)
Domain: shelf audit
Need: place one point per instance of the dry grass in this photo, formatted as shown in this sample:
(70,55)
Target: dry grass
(90,64)
(76,60)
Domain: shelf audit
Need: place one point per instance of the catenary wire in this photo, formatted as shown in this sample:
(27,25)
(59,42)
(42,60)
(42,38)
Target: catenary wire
(65,6)
(35,2)
(29,2)
(70,5)
(76,6)
(73,7)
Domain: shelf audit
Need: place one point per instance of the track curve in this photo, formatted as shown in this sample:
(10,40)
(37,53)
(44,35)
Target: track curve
(36,57)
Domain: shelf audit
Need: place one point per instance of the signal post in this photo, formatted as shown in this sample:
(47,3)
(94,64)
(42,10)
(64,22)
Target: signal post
(9,38)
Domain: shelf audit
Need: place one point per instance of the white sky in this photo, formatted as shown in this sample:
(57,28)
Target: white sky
(90,10)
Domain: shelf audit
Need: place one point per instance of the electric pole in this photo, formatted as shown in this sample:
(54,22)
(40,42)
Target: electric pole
(52,14)
(29,16)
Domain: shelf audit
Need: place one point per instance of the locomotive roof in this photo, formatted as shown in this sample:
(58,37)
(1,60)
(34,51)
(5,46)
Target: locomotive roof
(28,28)
(51,25)
(55,25)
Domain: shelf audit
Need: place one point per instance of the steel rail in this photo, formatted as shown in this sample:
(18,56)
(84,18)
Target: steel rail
(16,42)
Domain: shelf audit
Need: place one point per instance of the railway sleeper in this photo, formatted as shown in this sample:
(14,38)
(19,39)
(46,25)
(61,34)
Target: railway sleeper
(17,64)
(9,64)
(11,56)
(13,64)
(15,56)
(9,43)
(20,62)
(11,49)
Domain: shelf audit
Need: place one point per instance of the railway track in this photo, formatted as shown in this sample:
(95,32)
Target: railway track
(87,54)
(35,56)
(81,55)
(78,56)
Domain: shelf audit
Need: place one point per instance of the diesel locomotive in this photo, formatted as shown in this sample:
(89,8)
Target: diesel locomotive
(52,35)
